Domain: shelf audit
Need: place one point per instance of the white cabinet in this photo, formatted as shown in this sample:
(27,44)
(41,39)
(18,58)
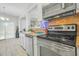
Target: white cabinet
(22,40)
(29,46)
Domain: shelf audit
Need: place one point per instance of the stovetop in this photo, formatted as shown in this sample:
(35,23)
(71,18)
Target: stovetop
(58,39)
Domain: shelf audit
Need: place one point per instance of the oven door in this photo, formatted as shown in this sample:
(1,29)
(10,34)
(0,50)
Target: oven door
(65,50)
(51,48)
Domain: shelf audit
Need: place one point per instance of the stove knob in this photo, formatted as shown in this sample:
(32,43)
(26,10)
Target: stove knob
(68,27)
(72,27)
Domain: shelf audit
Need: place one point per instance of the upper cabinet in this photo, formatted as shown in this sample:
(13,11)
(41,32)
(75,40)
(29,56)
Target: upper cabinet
(57,8)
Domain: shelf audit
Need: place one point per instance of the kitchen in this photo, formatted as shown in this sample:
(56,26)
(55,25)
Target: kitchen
(58,35)
(45,29)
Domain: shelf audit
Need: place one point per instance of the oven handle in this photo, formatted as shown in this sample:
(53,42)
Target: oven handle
(64,49)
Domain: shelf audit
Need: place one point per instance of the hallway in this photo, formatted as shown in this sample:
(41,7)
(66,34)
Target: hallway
(11,47)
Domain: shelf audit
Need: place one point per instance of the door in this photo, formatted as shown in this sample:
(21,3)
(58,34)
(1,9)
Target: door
(22,34)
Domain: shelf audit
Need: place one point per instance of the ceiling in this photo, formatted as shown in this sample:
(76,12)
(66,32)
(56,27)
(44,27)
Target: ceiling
(15,9)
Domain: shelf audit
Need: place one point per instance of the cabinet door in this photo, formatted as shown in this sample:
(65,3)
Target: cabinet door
(26,43)
(30,46)
(22,38)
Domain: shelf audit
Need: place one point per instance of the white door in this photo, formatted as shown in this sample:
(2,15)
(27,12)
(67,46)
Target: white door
(22,35)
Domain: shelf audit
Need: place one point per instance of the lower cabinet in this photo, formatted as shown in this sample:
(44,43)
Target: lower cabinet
(29,46)
(22,40)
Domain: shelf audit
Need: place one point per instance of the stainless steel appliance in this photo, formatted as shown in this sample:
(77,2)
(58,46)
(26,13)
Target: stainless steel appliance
(65,35)
(63,38)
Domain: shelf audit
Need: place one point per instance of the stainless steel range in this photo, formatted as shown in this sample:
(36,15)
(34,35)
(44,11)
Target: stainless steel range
(65,36)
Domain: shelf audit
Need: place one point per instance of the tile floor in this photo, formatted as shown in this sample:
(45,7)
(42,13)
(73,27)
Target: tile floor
(11,47)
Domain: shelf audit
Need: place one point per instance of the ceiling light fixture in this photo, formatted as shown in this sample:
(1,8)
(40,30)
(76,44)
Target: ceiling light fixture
(7,19)
(2,18)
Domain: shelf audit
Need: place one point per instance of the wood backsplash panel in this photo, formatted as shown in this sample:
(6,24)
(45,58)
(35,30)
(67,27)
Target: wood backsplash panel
(61,21)
(76,21)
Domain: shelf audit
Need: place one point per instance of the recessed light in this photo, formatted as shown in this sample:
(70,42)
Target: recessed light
(7,18)
(2,18)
